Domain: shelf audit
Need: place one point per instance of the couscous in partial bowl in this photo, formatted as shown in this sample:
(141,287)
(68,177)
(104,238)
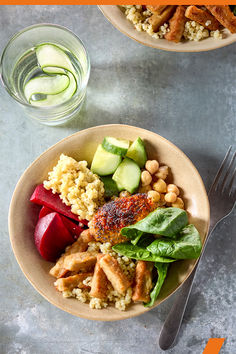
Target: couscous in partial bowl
(82,145)
(117,17)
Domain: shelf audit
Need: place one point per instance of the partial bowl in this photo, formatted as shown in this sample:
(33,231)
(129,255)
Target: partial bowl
(117,17)
(82,145)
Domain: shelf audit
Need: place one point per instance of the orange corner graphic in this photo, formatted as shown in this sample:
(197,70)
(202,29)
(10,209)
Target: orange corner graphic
(213,346)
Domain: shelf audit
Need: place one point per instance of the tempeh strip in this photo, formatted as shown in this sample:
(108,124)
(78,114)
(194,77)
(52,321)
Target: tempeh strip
(158,9)
(158,20)
(114,274)
(80,245)
(81,261)
(202,17)
(224,15)
(176,25)
(143,281)
(74,281)
(99,284)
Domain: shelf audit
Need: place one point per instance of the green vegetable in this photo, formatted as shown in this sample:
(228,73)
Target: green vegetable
(162,272)
(139,252)
(187,246)
(137,152)
(104,163)
(110,186)
(127,175)
(166,222)
(116,146)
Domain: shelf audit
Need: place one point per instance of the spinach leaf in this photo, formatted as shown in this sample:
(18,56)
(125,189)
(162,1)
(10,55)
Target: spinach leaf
(186,246)
(139,252)
(161,271)
(166,222)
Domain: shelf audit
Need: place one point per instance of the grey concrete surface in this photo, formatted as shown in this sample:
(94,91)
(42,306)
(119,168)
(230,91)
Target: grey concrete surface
(188,98)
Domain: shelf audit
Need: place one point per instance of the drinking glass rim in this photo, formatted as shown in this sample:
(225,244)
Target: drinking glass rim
(14,37)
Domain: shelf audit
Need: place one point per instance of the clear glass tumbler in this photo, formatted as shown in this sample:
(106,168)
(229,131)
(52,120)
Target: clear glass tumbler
(19,58)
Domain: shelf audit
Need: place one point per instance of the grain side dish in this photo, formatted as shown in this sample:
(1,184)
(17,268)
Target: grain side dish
(113,229)
(179,23)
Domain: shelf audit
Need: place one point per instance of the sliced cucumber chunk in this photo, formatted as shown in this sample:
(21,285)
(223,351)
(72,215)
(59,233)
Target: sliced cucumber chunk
(110,186)
(128,175)
(137,152)
(104,163)
(50,55)
(47,85)
(116,146)
(52,100)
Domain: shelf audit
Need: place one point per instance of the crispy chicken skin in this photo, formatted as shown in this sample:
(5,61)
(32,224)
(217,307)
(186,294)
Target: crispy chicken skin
(112,217)
(80,245)
(114,274)
(80,262)
(158,20)
(203,17)
(143,281)
(176,24)
(99,284)
(71,282)
(224,15)
(158,9)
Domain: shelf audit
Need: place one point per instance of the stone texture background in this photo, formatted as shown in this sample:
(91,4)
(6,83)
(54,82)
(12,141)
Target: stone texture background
(188,98)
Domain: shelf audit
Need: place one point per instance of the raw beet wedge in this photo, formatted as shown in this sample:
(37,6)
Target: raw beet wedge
(44,211)
(45,197)
(71,226)
(74,229)
(51,236)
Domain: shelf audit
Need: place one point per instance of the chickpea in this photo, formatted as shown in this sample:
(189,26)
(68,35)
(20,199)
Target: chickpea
(178,203)
(152,166)
(162,172)
(160,186)
(170,197)
(124,194)
(162,200)
(173,188)
(146,178)
(155,196)
(144,189)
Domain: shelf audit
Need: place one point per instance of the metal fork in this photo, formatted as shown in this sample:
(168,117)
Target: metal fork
(222,197)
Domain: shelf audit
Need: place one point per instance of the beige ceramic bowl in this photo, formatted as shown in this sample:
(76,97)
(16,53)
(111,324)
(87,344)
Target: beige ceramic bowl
(116,16)
(82,145)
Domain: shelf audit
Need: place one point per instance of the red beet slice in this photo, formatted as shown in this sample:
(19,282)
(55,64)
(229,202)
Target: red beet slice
(45,197)
(74,229)
(44,211)
(51,236)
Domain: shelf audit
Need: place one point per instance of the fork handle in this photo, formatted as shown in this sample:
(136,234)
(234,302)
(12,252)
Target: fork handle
(174,319)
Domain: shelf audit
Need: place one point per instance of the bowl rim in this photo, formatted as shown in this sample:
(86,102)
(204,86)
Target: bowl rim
(220,44)
(125,314)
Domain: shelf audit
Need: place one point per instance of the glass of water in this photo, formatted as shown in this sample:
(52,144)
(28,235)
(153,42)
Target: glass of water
(46,68)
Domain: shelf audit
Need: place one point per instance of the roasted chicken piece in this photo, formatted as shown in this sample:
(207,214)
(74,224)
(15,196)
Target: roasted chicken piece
(143,281)
(158,20)
(80,262)
(203,17)
(112,217)
(176,24)
(74,281)
(224,15)
(114,274)
(80,245)
(99,284)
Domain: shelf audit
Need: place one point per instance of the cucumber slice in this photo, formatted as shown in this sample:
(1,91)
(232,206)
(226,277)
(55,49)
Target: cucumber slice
(128,175)
(49,55)
(110,186)
(104,163)
(52,100)
(137,152)
(47,85)
(116,146)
